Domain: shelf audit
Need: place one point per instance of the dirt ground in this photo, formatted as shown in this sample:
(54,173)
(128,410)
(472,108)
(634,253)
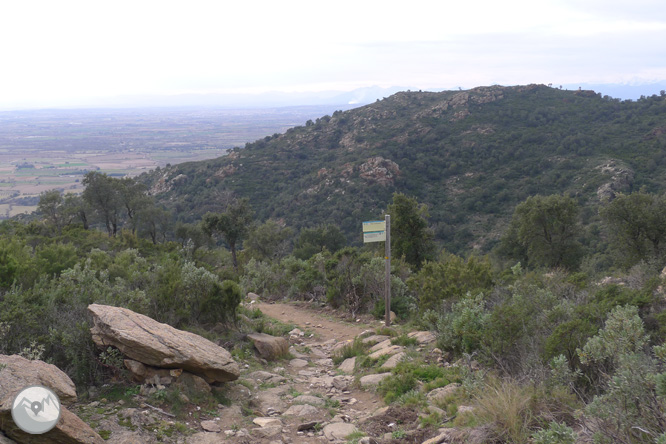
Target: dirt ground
(332,327)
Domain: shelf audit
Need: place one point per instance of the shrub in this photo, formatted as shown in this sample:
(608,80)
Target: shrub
(349,350)
(462,329)
(630,408)
(555,434)
(450,278)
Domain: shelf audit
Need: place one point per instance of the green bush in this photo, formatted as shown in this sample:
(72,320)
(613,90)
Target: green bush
(463,328)
(630,399)
(555,434)
(451,277)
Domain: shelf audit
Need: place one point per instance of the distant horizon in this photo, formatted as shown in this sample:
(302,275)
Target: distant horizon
(285,99)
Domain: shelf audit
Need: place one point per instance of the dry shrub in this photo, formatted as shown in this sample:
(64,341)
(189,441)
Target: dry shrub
(512,411)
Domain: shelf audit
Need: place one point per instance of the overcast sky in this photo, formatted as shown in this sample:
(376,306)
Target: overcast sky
(66,52)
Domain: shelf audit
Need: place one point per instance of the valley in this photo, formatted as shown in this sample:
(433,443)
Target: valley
(52,149)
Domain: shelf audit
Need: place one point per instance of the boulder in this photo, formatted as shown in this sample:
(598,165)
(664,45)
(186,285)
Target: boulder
(265,422)
(211,426)
(375,339)
(269,347)
(380,345)
(268,404)
(267,432)
(423,337)
(338,431)
(348,365)
(189,383)
(19,373)
(69,429)
(144,373)
(145,340)
(372,381)
(441,393)
(298,363)
(393,361)
(301,410)
(389,350)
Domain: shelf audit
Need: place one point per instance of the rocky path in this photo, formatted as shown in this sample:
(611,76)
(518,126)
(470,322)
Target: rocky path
(307,399)
(302,399)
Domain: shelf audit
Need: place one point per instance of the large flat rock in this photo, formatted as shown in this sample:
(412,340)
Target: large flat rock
(160,345)
(19,373)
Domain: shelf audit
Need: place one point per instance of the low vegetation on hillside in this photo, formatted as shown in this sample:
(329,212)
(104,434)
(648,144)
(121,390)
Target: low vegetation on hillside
(470,156)
(559,328)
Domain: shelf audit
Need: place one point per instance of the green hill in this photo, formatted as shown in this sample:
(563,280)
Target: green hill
(470,155)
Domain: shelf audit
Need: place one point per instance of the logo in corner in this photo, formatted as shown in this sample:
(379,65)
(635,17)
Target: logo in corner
(36,409)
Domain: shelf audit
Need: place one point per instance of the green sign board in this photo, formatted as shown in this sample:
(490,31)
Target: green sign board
(374,236)
(374,225)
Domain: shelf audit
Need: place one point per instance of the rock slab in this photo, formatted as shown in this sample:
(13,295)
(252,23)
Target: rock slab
(152,343)
(20,373)
(269,347)
(338,431)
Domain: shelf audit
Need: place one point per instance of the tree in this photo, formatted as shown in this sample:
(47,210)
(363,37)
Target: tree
(60,210)
(132,196)
(233,224)
(102,195)
(637,226)
(269,240)
(152,220)
(314,240)
(410,235)
(190,235)
(50,205)
(543,231)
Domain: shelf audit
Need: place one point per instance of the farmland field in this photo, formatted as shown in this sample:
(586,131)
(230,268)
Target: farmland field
(52,149)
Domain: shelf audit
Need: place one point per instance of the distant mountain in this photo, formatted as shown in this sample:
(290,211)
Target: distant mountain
(470,155)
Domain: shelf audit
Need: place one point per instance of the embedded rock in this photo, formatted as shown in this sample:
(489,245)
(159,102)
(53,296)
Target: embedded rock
(152,343)
(301,410)
(423,337)
(440,394)
(339,431)
(371,381)
(393,361)
(269,347)
(348,365)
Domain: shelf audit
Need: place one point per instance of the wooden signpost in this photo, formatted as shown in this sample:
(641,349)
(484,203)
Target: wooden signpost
(380,231)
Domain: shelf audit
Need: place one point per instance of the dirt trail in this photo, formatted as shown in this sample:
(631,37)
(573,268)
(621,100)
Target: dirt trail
(305,317)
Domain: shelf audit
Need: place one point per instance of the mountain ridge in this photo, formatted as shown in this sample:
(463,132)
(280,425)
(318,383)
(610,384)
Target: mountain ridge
(470,155)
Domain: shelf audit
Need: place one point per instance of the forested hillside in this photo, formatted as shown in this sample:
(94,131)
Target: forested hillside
(471,156)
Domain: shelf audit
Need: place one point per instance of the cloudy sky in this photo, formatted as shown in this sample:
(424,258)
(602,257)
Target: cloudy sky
(64,52)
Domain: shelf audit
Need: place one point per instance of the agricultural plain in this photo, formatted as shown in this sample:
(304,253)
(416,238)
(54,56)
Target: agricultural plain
(45,149)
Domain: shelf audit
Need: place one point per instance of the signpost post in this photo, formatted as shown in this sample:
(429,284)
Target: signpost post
(380,231)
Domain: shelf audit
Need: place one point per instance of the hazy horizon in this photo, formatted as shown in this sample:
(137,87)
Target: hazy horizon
(78,53)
